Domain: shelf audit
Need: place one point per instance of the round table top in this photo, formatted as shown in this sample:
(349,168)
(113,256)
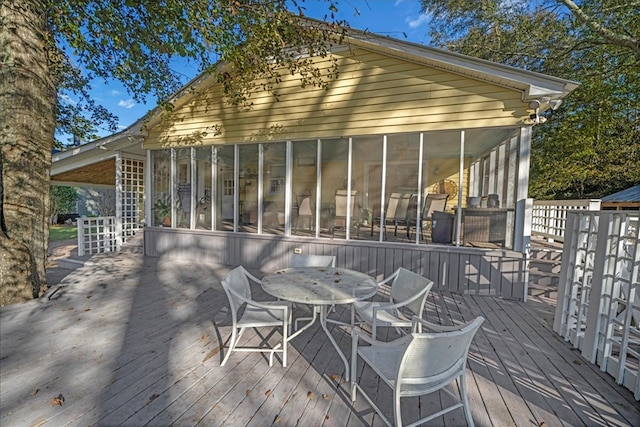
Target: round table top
(319,285)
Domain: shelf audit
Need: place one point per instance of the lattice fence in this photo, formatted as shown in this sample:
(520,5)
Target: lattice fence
(598,307)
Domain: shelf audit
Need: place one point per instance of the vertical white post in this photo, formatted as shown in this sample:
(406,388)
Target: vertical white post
(594,204)
(260,186)
(420,195)
(492,171)
(236,183)
(600,289)
(119,196)
(148,199)
(173,188)
(512,185)
(214,187)
(194,190)
(460,183)
(318,212)
(524,210)
(566,274)
(349,198)
(80,224)
(288,193)
(383,195)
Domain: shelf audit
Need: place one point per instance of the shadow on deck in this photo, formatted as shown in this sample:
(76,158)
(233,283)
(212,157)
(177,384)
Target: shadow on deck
(133,340)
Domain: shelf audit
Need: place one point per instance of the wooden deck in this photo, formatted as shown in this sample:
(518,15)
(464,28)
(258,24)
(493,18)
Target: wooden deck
(129,340)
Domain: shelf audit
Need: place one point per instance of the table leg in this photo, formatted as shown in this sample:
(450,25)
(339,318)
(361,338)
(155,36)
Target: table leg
(323,323)
(316,310)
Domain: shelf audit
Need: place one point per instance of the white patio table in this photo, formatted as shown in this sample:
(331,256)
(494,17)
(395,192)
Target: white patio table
(320,287)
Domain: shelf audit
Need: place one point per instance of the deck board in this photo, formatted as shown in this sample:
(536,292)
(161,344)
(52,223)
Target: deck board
(136,341)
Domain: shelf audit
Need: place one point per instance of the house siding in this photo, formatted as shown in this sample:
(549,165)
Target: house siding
(374,94)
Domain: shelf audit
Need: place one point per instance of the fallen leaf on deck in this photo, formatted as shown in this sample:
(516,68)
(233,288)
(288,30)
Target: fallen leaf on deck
(325,396)
(58,400)
(247,392)
(334,377)
(577,362)
(276,419)
(310,395)
(542,424)
(34,392)
(267,393)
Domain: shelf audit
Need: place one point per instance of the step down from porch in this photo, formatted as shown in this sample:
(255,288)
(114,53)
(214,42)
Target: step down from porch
(544,268)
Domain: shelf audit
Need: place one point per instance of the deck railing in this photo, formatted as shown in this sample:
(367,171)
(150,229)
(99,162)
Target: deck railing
(598,308)
(98,234)
(550,216)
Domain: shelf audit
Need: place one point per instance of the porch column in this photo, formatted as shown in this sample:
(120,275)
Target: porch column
(148,191)
(524,206)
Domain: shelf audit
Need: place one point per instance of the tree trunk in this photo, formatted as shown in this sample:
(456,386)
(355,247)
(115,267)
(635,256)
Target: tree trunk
(27,124)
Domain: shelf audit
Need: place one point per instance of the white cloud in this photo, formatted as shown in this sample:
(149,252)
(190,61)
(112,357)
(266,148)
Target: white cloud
(128,103)
(115,92)
(68,99)
(415,23)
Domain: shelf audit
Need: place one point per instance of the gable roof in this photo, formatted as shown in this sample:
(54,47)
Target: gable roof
(531,84)
(534,85)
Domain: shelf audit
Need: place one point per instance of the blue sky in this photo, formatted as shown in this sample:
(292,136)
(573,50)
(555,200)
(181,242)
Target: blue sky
(396,18)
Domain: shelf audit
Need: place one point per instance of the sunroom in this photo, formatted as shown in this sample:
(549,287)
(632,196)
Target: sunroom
(413,157)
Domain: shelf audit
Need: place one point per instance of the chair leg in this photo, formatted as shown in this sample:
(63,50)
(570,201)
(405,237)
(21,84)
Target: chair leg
(465,400)
(285,338)
(232,343)
(354,360)
(396,409)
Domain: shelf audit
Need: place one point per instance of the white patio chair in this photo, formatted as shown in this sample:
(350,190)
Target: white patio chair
(418,364)
(406,299)
(300,260)
(255,314)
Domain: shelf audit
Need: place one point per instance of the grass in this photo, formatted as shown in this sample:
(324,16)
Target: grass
(62,232)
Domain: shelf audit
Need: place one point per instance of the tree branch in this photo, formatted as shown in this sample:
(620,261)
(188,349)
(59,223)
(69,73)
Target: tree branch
(612,37)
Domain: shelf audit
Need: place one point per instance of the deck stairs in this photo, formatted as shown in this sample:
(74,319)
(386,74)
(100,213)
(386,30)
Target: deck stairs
(544,267)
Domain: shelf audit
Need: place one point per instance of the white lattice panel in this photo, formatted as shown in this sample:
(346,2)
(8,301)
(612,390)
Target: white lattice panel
(598,307)
(97,235)
(132,195)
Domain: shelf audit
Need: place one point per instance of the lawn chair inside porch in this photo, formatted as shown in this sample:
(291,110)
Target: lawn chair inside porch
(433,203)
(340,219)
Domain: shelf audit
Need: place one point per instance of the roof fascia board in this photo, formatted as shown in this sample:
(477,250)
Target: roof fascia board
(80,184)
(75,163)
